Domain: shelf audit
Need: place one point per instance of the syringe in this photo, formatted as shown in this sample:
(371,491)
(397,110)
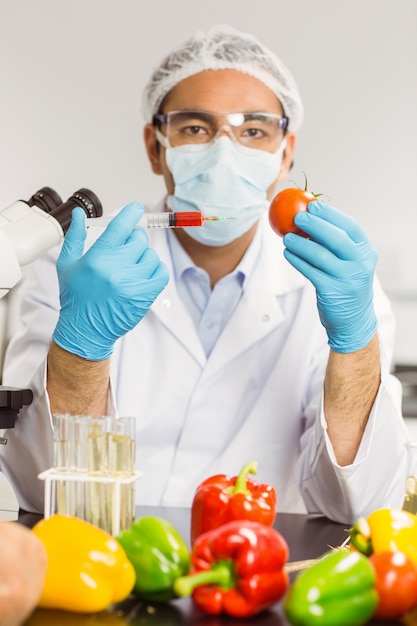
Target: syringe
(165,219)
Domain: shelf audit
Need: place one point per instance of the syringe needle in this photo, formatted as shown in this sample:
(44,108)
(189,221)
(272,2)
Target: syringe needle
(215,218)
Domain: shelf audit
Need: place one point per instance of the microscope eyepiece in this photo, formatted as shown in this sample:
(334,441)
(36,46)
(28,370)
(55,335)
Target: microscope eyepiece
(50,201)
(46,199)
(83,198)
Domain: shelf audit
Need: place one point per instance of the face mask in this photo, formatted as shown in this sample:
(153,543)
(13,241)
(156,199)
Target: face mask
(222,179)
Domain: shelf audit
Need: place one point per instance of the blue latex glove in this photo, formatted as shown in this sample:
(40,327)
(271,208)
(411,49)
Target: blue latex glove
(340,262)
(105,292)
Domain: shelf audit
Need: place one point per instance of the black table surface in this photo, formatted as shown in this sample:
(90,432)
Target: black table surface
(308,537)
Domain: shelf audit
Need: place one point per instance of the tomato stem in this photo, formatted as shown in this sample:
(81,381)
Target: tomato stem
(316,195)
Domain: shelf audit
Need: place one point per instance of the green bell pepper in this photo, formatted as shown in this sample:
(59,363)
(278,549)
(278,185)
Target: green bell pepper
(159,556)
(338,590)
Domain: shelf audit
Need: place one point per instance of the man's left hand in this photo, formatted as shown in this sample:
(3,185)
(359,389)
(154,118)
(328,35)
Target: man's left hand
(340,262)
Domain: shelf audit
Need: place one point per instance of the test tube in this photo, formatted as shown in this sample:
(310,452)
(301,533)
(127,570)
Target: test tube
(78,464)
(410,496)
(61,461)
(98,498)
(122,451)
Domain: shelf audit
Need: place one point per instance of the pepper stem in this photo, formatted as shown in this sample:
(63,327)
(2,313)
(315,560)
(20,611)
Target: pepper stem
(220,575)
(240,484)
(360,536)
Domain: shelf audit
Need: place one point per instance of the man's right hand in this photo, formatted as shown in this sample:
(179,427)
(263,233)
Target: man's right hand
(105,292)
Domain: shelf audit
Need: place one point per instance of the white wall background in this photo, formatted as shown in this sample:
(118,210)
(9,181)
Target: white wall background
(72,71)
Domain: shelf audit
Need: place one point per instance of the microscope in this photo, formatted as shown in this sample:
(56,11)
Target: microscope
(27,230)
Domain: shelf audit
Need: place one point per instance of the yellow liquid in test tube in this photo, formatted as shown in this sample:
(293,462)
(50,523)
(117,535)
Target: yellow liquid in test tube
(122,464)
(410,498)
(61,461)
(98,500)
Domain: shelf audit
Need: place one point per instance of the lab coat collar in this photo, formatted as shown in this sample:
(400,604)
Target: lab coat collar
(168,306)
(259,312)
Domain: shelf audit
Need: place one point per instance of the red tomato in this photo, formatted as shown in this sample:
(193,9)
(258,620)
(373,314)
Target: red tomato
(396,584)
(286,204)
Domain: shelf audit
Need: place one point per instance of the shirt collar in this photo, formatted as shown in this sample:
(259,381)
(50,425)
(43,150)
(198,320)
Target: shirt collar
(182,262)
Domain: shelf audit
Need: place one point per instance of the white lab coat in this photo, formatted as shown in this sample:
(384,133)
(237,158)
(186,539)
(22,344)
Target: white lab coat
(257,397)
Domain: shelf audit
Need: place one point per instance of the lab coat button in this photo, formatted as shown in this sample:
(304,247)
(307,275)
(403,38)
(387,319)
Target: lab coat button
(266,317)
(166,303)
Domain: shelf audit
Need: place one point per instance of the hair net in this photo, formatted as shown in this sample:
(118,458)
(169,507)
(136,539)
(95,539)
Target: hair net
(223,47)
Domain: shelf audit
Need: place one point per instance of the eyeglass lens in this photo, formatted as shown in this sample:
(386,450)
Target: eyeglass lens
(256,130)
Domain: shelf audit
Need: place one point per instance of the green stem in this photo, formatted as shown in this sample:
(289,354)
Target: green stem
(220,575)
(360,536)
(240,485)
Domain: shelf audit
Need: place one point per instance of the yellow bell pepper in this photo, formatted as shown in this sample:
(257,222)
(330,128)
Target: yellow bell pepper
(386,530)
(88,570)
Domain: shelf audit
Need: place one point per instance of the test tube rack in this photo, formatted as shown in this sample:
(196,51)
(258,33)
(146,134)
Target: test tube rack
(51,477)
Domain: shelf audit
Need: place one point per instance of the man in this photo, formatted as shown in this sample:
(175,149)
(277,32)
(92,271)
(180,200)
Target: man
(246,354)
(23,565)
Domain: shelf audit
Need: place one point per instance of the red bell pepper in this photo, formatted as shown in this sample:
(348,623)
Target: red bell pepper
(237,569)
(221,499)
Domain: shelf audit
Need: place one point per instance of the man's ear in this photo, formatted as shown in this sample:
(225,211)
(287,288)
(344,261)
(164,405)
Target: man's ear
(152,148)
(288,156)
